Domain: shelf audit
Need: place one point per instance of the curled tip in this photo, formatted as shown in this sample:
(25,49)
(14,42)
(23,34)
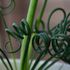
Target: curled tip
(7,9)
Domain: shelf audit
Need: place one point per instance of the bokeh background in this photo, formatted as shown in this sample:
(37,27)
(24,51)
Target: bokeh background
(20,12)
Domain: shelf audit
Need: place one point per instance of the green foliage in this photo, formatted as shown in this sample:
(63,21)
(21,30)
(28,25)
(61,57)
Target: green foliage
(29,33)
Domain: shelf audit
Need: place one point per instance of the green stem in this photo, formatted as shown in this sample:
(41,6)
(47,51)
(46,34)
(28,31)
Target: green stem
(26,44)
(39,18)
(31,12)
(11,46)
(42,10)
(13,55)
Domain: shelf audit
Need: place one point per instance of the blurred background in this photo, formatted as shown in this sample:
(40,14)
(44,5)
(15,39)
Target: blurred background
(20,12)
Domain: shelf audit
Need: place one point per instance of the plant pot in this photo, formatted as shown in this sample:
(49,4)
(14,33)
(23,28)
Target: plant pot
(56,66)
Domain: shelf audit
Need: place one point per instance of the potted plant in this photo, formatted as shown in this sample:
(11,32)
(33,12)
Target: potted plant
(31,37)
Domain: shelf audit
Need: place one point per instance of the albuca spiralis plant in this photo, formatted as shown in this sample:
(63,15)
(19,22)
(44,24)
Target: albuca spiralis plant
(31,37)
